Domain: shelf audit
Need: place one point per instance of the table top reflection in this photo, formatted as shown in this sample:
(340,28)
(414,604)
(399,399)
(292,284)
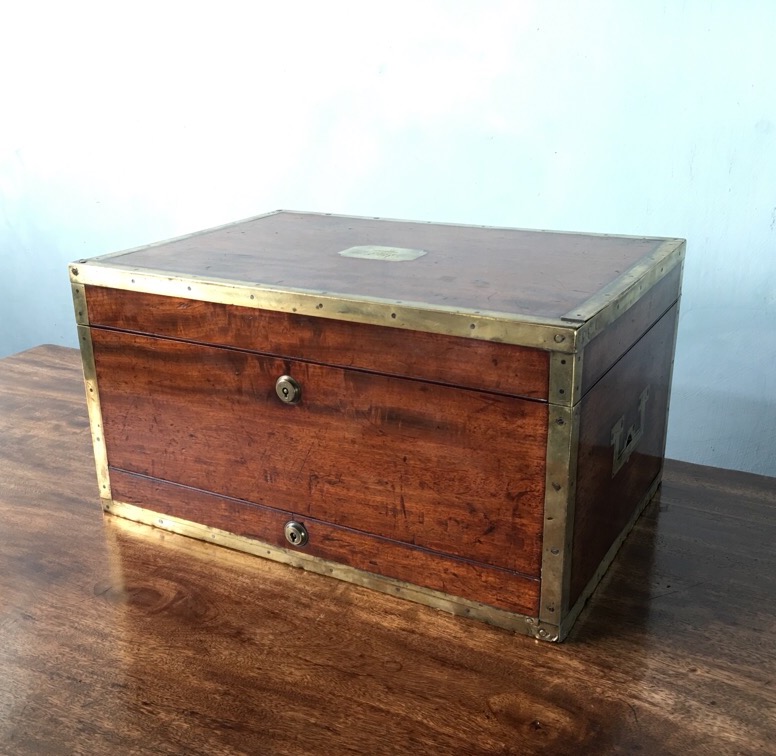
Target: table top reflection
(118,638)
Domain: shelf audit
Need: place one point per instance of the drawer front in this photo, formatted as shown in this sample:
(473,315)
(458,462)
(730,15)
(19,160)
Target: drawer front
(482,365)
(457,577)
(454,471)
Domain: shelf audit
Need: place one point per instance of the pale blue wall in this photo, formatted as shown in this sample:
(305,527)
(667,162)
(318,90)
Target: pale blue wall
(641,118)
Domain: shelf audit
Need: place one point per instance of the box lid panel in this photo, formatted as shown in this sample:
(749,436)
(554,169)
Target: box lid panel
(521,273)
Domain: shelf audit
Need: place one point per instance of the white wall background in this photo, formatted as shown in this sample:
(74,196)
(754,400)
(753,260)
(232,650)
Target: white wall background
(122,124)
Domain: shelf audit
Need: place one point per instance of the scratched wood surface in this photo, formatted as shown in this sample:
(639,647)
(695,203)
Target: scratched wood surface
(534,273)
(482,365)
(459,577)
(116,638)
(368,452)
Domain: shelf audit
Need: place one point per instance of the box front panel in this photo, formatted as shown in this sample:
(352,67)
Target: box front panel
(451,471)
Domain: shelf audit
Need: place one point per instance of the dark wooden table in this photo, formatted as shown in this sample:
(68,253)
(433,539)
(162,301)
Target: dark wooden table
(117,638)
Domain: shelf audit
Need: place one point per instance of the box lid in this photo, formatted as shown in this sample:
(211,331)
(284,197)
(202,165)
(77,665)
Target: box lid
(537,288)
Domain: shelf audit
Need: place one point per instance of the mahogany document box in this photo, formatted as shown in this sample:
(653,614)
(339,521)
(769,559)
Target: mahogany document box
(468,417)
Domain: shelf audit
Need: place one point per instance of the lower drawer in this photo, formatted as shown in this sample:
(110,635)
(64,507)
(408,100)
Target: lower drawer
(457,577)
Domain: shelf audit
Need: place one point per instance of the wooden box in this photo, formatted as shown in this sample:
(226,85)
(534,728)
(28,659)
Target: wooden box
(469,417)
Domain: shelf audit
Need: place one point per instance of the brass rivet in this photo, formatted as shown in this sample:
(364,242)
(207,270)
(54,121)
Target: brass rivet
(74,271)
(556,486)
(560,421)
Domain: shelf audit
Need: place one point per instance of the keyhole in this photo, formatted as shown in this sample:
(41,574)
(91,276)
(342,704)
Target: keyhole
(296,534)
(285,391)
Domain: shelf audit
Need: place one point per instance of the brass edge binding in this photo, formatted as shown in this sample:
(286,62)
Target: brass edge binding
(469,225)
(671,373)
(621,294)
(485,325)
(571,616)
(92,397)
(252,218)
(461,607)
(559,497)
(79,303)
(565,384)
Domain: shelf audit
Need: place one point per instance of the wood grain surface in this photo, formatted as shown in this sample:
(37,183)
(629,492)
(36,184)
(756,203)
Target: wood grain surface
(482,365)
(533,273)
(117,638)
(455,471)
(382,556)
(605,502)
(609,345)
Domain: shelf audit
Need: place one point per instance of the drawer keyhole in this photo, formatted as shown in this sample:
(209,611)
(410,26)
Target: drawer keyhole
(296,533)
(288,390)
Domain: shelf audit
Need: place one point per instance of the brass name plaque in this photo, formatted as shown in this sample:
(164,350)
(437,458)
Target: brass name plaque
(378,252)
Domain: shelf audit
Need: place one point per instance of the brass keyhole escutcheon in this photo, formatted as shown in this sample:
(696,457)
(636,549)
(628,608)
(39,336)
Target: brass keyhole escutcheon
(296,533)
(288,390)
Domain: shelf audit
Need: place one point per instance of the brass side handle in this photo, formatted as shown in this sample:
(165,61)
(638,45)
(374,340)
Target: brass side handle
(625,443)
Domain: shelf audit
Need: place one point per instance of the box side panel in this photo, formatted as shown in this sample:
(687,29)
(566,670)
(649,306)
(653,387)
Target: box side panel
(621,440)
(498,588)
(609,345)
(483,365)
(455,471)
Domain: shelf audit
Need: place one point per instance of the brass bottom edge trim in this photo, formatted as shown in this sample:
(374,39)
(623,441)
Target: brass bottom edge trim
(455,605)
(571,616)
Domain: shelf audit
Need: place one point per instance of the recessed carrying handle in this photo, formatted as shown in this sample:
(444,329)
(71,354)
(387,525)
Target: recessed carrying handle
(625,443)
